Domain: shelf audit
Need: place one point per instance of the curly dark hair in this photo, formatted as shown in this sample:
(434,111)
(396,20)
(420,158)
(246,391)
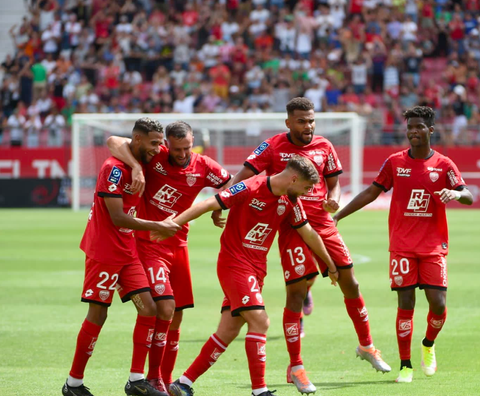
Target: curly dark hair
(424,112)
(178,129)
(145,125)
(299,103)
(304,167)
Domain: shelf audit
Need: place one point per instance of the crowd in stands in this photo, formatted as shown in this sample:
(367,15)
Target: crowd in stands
(243,56)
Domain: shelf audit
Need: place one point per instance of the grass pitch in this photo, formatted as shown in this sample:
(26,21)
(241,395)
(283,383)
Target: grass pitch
(41,274)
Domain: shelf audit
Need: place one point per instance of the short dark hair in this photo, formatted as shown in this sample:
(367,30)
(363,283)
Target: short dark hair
(145,125)
(299,103)
(178,129)
(304,167)
(424,112)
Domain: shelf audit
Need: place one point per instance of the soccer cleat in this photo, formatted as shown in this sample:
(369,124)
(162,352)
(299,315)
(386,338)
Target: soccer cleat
(308,303)
(300,379)
(267,393)
(178,389)
(302,329)
(142,388)
(374,357)
(405,375)
(81,390)
(429,363)
(159,385)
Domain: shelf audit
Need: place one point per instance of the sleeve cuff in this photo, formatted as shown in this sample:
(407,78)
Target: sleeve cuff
(296,227)
(380,186)
(220,202)
(109,195)
(251,167)
(333,174)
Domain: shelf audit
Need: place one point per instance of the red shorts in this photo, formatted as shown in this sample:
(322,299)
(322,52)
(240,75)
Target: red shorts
(101,281)
(298,261)
(168,272)
(242,287)
(410,270)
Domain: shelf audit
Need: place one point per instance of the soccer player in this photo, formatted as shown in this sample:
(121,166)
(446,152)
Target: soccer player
(174,178)
(257,208)
(423,181)
(112,262)
(298,263)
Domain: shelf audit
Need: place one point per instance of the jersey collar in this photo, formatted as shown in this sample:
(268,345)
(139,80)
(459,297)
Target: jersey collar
(430,155)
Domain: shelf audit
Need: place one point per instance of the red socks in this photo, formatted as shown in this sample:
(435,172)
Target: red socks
(358,313)
(209,354)
(157,350)
(87,337)
(404,332)
(435,324)
(170,356)
(291,329)
(142,340)
(256,355)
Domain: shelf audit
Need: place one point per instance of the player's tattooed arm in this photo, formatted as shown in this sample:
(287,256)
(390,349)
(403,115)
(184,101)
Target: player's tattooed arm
(119,147)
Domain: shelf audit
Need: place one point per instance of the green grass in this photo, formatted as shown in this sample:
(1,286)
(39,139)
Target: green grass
(41,274)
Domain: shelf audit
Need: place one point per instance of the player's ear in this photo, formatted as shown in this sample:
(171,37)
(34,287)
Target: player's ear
(287,123)
(432,129)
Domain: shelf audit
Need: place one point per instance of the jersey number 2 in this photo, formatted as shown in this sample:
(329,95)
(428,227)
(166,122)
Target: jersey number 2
(105,277)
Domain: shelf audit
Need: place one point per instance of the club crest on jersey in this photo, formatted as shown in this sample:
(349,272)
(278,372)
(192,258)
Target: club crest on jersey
(434,176)
(280,210)
(236,188)
(260,149)
(160,289)
(318,159)
(191,179)
(115,175)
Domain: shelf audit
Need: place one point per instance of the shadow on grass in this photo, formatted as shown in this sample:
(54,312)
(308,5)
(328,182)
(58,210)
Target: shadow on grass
(238,339)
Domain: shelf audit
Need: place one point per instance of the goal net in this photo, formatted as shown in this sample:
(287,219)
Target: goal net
(230,137)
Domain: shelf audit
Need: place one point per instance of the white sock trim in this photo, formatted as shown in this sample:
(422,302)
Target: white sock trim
(295,368)
(259,391)
(136,377)
(185,380)
(74,382)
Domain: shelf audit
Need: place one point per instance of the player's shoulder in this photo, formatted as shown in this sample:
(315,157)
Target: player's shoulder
(439,157)
(112,162)
(399,155)
(275,140)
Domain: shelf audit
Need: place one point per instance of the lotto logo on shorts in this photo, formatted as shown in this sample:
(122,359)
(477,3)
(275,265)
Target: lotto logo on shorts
(291,329)
(404,325)
(216,354)
(261,349)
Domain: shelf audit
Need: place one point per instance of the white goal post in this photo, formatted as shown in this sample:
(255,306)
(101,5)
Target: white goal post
(232,137)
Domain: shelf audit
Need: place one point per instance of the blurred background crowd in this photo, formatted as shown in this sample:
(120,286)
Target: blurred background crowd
(373,57)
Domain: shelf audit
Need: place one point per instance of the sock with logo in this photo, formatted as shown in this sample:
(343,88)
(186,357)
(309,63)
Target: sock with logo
(404,332)
(142,341)
(208,355)
(256,355)
(170,355)
(155,356)
(87,337)
(291,329)
(358,313)
(435,324)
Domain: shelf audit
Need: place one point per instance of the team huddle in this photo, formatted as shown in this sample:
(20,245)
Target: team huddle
(135,242)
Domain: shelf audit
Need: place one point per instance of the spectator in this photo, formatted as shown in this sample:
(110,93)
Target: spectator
(16,124)
(55,123)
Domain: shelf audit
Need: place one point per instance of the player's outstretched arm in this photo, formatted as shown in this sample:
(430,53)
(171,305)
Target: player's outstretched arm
(368,195)
(464,196)
(315,242)
(191,213)
(242,174)
(218,220)
(119,147)
(121,219)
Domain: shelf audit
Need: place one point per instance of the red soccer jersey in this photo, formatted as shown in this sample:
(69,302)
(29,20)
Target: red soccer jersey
(417,220)
(272,156)
(171,189)
(103,241)
(254,218)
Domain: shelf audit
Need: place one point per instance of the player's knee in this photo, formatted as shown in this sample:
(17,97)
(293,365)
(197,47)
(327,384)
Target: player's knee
(349,286)
(149,308)
(165,309)
(295,300)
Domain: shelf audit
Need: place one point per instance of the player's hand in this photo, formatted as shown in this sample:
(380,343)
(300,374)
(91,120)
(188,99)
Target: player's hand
(330,205)
(333,276)
(166,229)
(218,221)
(447,195)
(138,180)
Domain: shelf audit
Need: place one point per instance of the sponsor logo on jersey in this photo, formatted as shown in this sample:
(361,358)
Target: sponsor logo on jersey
(300,269)
(159,168)
(443,271)
(260,149)
(112,188)
(167,196)
(404,172)
(404,325)
(398,279)
(419,201)
(299,214)
(216,354)
(291,329)
(434,176)
(215,179)
(160,289)
(331,164)
(452,177)
(104,294)
(127,189)
(286,156)
(257,236)
(432,169)
(115,175)
(257,204)
(236,188)
(259,298)
(245,300)
(280,210)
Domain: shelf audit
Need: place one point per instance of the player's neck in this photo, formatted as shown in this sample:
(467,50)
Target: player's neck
(278,185)
(136,153)
(421,152)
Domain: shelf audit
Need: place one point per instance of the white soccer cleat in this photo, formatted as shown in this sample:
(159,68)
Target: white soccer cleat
(429,362)
(300,380)
(405,375)
(373,356)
